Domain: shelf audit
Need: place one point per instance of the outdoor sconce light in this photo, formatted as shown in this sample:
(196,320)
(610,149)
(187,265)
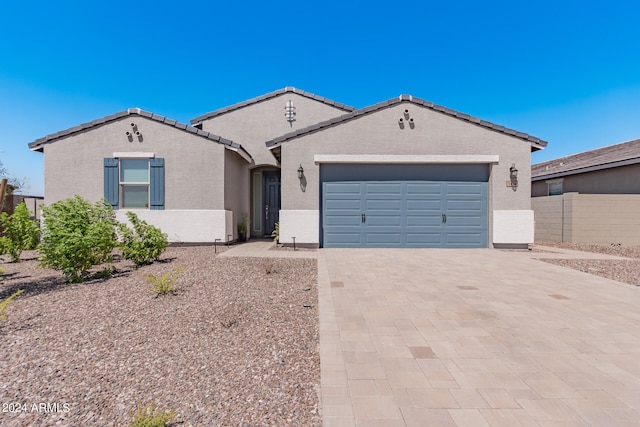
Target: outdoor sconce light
(513,176)
(513,172)
(300,172)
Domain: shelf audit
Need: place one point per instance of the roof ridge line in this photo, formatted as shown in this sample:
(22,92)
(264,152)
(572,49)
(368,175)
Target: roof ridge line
(267,96)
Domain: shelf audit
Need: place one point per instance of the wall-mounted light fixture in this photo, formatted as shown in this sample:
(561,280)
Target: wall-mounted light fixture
(513,172)
(302,178)
(513,176)
(290,112)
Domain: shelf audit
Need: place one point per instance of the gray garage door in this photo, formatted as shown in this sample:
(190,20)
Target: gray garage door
(404,214)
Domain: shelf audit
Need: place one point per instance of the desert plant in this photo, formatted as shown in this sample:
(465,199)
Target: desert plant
(4,304)
(76,236)
(276,233)
(242,227)
(270,266)
(142,245)
(165,284)
(150,416)
(20,232)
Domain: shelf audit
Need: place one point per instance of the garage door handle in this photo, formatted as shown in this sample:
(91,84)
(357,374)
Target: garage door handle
(363,217)
(444,218)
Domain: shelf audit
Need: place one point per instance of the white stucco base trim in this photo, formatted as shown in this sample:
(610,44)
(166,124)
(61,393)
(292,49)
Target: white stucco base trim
(405,159)
(188,226)
(513,227)
(301,224)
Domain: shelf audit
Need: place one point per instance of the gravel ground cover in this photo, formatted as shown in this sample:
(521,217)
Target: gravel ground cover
(236,345)
(625,271)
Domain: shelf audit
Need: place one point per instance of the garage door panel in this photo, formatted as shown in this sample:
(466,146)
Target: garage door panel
(344,239)
(431,205)
(433,239)
(382,188)
(343,220)
(424,188)
(384,239)
(424,221)
(331,188)
(391,205)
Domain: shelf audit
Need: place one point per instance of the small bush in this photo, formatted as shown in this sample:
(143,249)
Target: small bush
(276,233)
(76,236)
(150,416)
(144,244)
(4,304)
(270,266)
(165,284)
(20,232)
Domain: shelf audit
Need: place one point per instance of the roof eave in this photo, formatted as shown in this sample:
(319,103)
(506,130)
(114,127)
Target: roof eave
(586,169)
(536,143)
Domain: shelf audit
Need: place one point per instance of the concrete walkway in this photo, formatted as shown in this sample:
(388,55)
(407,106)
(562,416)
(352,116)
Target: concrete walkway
(265,248)
(421,337)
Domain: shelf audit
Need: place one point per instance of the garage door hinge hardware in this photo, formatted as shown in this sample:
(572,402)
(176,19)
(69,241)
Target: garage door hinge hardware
(444,218)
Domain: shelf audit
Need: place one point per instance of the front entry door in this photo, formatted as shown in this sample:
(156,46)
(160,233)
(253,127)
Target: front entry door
(271,208)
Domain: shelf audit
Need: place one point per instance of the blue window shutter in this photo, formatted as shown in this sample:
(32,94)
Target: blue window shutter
(156,185)
(111,182)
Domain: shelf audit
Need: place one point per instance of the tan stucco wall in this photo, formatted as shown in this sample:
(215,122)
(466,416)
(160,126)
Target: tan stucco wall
(549,217)
(434,134)
(236,195)
(588,218)
(255,124)
(619,180)
(194,166)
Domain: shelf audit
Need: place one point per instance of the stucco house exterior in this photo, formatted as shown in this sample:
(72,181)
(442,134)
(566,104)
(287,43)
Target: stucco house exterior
(401,173)
(589,197)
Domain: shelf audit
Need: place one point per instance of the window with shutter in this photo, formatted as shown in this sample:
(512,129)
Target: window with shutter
(134,183)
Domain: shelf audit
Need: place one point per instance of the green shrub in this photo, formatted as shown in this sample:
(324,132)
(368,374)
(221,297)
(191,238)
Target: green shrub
(144,244)
(150,416)
(20,232)
(165,284)
(4,304)
(76,236)
(276,233)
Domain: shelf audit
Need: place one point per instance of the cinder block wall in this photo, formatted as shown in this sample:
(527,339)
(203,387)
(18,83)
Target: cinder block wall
(588,218)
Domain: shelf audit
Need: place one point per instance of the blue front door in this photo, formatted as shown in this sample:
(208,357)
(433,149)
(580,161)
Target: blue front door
(404,214)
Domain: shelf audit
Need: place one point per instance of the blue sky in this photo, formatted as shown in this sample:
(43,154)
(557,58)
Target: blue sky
(567,72)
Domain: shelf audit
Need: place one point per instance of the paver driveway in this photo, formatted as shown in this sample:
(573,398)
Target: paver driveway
(476,337)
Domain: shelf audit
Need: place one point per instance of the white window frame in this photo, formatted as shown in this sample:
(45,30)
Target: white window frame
(122,184)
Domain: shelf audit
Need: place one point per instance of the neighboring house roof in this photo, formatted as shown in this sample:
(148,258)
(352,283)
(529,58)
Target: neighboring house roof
(625,153)
(38,144)
(266,97)
(536,143)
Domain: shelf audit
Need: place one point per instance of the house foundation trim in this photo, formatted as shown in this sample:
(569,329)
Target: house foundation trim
(405,159)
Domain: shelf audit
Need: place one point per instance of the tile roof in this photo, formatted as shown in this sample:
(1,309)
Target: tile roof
(267,96)
(38,144)
(536,143)
(601,158)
